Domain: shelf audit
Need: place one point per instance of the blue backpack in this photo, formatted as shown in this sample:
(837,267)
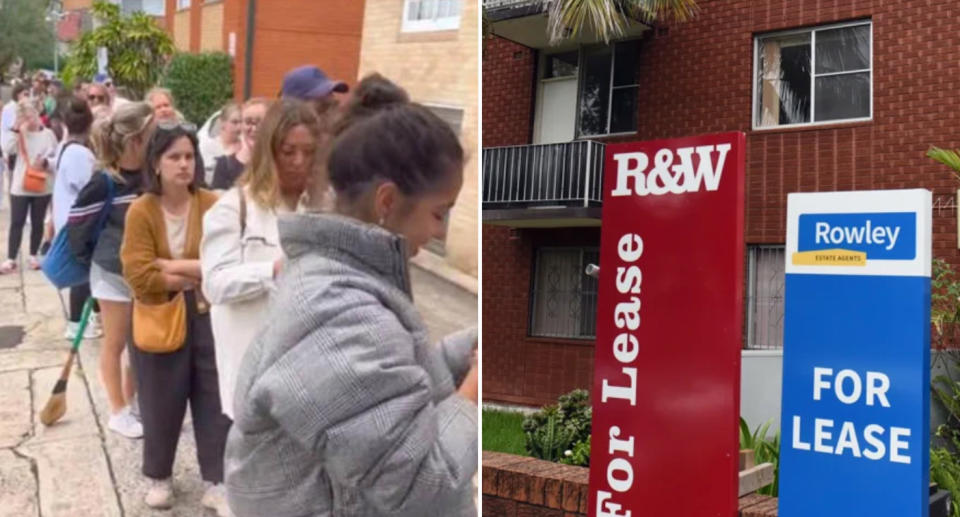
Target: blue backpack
(61,266)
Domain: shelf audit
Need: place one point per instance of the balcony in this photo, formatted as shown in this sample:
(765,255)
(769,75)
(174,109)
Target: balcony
(545,185)
(525,22)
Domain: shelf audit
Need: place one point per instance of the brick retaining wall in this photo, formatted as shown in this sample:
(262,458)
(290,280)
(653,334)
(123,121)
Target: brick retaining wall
(517,486)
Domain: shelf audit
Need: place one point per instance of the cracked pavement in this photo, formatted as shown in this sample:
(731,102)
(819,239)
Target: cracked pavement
(76,468)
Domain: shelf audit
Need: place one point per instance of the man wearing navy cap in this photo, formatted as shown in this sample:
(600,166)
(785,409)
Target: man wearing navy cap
(309,83)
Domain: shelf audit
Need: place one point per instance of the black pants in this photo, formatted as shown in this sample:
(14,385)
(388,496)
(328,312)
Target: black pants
(79,295)
(165,383)
(19,206)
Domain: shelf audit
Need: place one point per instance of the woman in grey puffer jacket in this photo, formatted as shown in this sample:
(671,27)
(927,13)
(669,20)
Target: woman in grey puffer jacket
(343,407)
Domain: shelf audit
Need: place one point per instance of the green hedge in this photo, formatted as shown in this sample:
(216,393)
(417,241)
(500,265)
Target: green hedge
(201,83)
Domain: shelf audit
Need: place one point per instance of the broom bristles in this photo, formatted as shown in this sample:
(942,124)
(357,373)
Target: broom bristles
(54,410)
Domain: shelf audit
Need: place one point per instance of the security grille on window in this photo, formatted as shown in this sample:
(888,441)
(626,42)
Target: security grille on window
(431,15)
(564,298)
(609,86)
(814,76)
(765,284)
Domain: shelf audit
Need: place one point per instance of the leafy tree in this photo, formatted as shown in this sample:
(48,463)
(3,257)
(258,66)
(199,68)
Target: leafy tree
(25,33)
(201,83)
(137,49)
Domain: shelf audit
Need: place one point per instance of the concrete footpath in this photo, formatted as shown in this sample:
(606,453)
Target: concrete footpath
(77,468)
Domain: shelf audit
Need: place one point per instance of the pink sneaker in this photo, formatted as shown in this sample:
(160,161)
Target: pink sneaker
(7,266)
(33,263)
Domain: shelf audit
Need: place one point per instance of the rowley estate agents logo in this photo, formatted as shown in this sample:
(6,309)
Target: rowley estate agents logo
(855,238)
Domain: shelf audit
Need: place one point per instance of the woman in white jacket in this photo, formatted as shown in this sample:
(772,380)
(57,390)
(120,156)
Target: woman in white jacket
(240,253)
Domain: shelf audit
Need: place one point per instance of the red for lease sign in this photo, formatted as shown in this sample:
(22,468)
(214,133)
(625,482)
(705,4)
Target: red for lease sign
(666,387)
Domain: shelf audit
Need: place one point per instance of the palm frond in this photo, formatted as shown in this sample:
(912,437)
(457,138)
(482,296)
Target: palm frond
(947,157)
(609,18)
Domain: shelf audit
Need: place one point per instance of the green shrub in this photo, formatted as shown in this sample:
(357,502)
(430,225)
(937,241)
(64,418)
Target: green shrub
(201,83)
(765,450)
(579,455)
(559,427)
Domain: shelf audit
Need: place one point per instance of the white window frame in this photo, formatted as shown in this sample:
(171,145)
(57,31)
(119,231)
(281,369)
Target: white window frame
(813,75)
(613,67)
(183,4)
(447,23)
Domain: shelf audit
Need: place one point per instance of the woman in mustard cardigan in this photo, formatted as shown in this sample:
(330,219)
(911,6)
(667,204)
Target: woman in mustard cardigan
(160,256)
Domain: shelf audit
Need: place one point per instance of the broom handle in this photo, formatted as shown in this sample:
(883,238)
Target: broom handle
(84,319)
(65,372)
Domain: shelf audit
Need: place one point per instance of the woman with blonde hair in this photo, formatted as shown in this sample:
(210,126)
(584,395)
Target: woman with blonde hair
(227,142)
(229,167)
(120,144)
(35,146)
(161,100)
(240,254)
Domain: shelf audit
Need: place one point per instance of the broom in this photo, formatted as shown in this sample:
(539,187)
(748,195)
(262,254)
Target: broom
(57,404)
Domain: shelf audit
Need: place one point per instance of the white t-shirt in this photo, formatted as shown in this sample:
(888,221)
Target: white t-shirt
(73,172)
(7,118)
(40,144)
(176,226)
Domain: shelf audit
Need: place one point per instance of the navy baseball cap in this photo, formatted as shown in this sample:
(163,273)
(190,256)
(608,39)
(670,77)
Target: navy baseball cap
(309,82)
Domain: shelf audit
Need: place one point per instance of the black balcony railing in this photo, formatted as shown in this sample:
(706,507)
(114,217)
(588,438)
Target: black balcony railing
(498,10)
(545,175)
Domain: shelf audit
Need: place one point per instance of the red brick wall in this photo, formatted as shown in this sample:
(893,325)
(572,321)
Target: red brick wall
(518,486)
(519,368)
(697,78)
(507,106)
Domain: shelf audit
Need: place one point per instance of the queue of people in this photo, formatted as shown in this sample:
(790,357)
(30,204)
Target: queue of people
(276,303)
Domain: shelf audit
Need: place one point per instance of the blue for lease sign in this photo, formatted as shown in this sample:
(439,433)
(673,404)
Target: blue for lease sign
(856,373)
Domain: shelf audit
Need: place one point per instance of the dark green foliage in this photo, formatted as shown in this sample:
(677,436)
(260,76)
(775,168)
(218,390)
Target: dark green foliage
(137,50)
(201,83)
(559,427)
(25,33)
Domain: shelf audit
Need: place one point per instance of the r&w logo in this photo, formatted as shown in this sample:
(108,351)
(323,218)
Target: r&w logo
(666,177)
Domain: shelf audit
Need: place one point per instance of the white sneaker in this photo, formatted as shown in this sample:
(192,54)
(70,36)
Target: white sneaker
(33,262)
(215,498)
(71,332)
(124,424)
(159,493)
(7,266)
(94,329)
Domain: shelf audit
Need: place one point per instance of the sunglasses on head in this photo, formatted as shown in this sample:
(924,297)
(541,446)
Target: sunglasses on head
(168,125)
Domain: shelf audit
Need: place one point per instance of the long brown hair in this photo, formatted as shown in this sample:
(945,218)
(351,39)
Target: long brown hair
(261,173)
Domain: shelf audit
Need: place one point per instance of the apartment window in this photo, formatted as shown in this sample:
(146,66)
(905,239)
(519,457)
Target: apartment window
(765,285)
(431,15)
(608,89)
(814,76)
(183,4)
(564,297)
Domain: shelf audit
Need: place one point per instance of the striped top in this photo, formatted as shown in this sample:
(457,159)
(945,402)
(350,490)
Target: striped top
(82,220)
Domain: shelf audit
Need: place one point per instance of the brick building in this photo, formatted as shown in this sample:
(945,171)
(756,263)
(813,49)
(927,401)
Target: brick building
(430,48)
(833,95)
(285,34)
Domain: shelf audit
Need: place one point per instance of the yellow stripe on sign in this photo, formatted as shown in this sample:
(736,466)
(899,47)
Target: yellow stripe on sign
(835,257)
